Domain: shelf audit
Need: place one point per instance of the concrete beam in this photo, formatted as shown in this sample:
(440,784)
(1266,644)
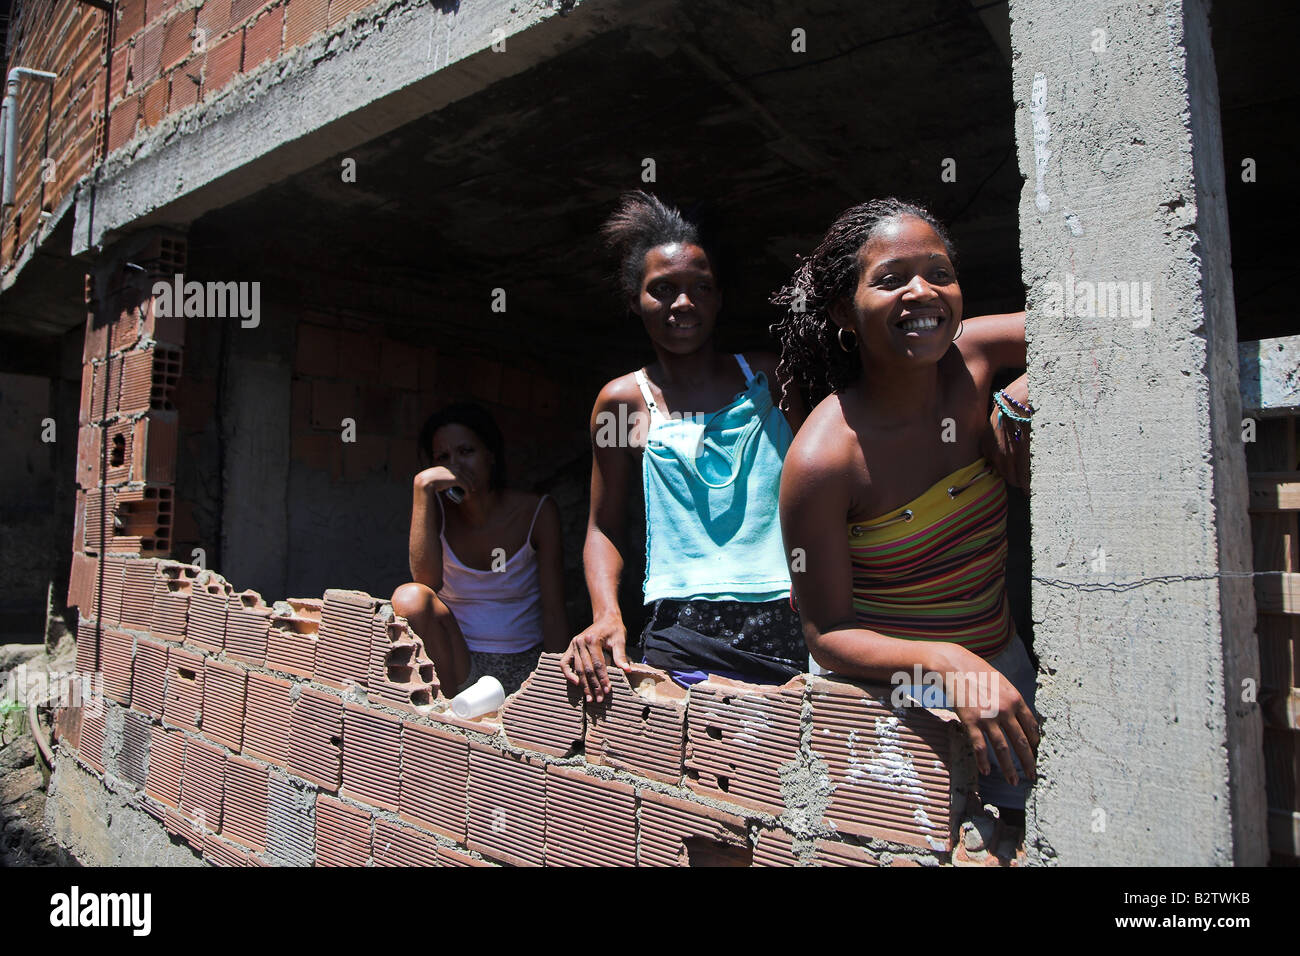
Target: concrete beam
(386,66)
(1141,550)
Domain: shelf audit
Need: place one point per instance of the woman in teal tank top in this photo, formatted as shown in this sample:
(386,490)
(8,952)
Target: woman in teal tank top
(702,430)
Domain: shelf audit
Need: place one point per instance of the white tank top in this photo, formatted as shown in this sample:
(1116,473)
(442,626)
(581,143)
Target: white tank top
(499,612)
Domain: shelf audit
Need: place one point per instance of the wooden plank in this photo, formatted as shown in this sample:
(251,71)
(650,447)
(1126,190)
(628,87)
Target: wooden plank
(1281,709)
(1277,593)
(1272,491)
(1279,651)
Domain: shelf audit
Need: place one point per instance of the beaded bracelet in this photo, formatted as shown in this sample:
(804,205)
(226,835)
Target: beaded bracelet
(1003,409)
(1024,408)
(1002,399)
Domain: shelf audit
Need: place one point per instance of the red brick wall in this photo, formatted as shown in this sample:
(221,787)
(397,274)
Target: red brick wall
(67,39)
(726,774)
(163,59)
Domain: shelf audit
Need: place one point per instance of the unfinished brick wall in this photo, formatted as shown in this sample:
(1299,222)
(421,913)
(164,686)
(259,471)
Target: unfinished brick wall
(165,57)
(314,732)
(128,425)
(68,39)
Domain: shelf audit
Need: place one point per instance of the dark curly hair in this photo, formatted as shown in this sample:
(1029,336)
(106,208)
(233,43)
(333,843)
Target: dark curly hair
(640,223)
(811,357)
(478,420)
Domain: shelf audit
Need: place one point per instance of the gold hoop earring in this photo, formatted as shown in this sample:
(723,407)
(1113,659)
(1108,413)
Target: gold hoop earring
(961,325)
(840,336)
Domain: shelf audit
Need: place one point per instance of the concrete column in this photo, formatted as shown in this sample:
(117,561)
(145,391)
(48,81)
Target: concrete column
(1141,557)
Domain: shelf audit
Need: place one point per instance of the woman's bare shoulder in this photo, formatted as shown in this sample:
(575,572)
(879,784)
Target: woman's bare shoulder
(826,444)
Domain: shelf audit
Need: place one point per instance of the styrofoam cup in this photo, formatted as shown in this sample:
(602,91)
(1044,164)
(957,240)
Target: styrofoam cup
(482,697)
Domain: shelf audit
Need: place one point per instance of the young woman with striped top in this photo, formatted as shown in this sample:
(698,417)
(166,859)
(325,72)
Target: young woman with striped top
(892,490)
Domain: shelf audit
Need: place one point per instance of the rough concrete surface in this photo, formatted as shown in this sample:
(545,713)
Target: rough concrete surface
(101,826)
(1144,615)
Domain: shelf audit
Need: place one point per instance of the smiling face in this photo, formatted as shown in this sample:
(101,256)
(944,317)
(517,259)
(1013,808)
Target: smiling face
(460,449)
(679,298)
(907,305)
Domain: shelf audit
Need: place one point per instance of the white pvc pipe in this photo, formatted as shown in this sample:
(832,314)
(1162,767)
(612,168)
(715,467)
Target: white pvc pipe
(9,133)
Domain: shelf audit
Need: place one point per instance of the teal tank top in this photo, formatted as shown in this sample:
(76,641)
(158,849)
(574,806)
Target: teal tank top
(711,488)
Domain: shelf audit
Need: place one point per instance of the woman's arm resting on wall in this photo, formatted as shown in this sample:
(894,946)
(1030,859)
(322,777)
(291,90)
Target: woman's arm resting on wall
(815,502)
(584,661)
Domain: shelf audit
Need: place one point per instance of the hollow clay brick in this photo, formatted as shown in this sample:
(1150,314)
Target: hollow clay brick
(400,673)
(91,749)
(775,848)
(149,678)
(82,582)
(262,39)
(398,845)
(219,852)
(589,821)
(889,770)
(642,730)
(203,783)
(545,714)
(342,833)
(675,832)
(224,687)
(303,20)
(173,584)
(739,736)
(117,650)
(448,856)
(210,601)
(245,803)
(247,623)
(371,757)
(166,761)
(184,704)
(507,806)
(434,779)
(316,738)
(291,642)
(344,638)
(138,593)
(828,853)
(268,712)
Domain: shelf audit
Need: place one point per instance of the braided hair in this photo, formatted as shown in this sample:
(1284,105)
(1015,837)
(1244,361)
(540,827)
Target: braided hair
(640,223)
(811,357)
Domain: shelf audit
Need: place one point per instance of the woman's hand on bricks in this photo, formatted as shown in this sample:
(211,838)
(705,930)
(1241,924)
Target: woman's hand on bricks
(994,713)
(584,662)
(440,478)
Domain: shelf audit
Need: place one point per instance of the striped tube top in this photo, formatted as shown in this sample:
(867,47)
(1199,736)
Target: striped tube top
(935,569)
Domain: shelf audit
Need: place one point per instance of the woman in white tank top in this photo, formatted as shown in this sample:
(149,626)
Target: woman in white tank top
(487,561)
